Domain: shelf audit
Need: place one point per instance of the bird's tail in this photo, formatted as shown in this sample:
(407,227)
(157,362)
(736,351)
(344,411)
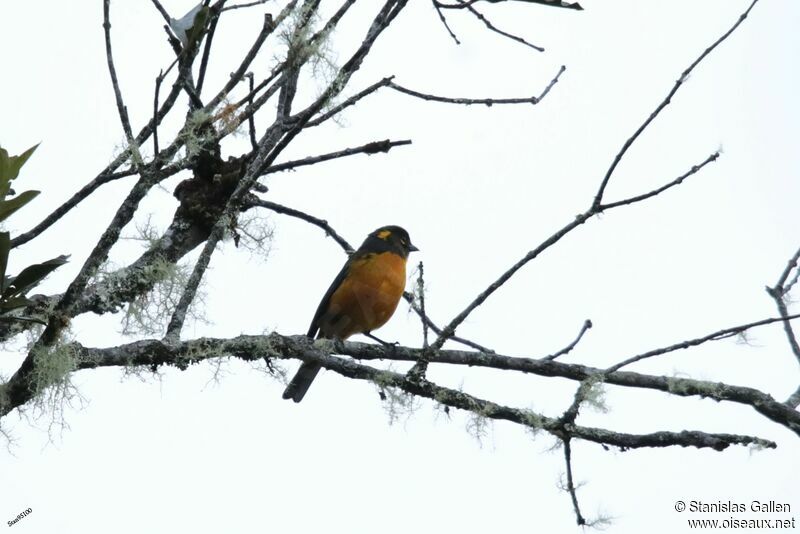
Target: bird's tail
(301,381)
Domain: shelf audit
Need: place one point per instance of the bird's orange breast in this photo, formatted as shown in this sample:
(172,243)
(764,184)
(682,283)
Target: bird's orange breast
(367,297)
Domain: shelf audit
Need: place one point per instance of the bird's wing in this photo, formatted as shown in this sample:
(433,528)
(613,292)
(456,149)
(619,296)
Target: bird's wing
(323,304)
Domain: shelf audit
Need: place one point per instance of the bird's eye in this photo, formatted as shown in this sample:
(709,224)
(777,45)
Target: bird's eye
(403,242)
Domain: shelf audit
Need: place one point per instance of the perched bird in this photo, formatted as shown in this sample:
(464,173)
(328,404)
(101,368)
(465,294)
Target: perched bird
(361,298)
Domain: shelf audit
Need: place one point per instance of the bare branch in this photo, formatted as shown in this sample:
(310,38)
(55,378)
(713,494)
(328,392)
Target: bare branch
(725,333)
(549,3)
(778,294)
(241,6)
(103,178)
(566,350)
(121,108)
(598,199)
(236,76)
(474,101)
(677,181)
(373,147)
(284,210)
(155,353)
(190,291)
(444,21)
(350,101)
(214,14)
(570,483)
(496,30)
(251,121)
(794,400)
(163,11)
(594,210)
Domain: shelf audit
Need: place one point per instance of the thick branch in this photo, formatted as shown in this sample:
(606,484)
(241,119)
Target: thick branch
(154,353)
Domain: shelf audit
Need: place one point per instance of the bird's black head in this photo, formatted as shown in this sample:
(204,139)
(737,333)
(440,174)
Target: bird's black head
(389,239)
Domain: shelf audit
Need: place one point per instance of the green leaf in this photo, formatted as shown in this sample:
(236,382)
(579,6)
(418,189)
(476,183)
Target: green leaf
(198,27)
(10,166)
(5,247)
(32,275)
(7,207)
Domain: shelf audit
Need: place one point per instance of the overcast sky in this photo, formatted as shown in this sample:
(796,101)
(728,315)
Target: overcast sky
(477,189)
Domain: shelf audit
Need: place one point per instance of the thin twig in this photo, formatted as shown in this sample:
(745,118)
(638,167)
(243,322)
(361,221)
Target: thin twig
(121,108)
(570,483)
(159,79)
(190,290)
(566,350)
(778,294)
(319,223)
(251,120)
(580,219)
(350,101)
(790,265)
(373,147)
(421,293)
(214,13)
(598,199)
(725,333)
(677,181)
(266,29)
(163,12)
(497,30)
(444,21)
(550,3)
(477,101)
(241,6)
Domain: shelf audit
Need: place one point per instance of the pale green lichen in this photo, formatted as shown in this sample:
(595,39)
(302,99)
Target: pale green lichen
(51,371)
(196,134)
(149,312)
(398,404)
(479,426)
(255,233)
(593,395)
(683,386)
(533,422)
(319,55)
(51,383)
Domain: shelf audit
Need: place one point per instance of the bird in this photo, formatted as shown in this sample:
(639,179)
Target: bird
(361,299)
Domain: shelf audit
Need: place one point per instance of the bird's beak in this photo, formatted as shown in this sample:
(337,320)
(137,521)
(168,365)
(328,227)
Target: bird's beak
(412,248)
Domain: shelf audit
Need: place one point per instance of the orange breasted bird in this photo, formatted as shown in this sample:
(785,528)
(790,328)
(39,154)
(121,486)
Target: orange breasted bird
(361,298)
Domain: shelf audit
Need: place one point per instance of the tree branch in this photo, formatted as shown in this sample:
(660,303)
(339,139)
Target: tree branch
(285,210)
(155,353)
(475,101)
(373,147)
(587,324)
(549,3)
(496,30)
(136,157)
(598,199)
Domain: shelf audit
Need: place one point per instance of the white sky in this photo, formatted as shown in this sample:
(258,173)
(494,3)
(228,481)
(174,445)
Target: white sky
(477,189)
